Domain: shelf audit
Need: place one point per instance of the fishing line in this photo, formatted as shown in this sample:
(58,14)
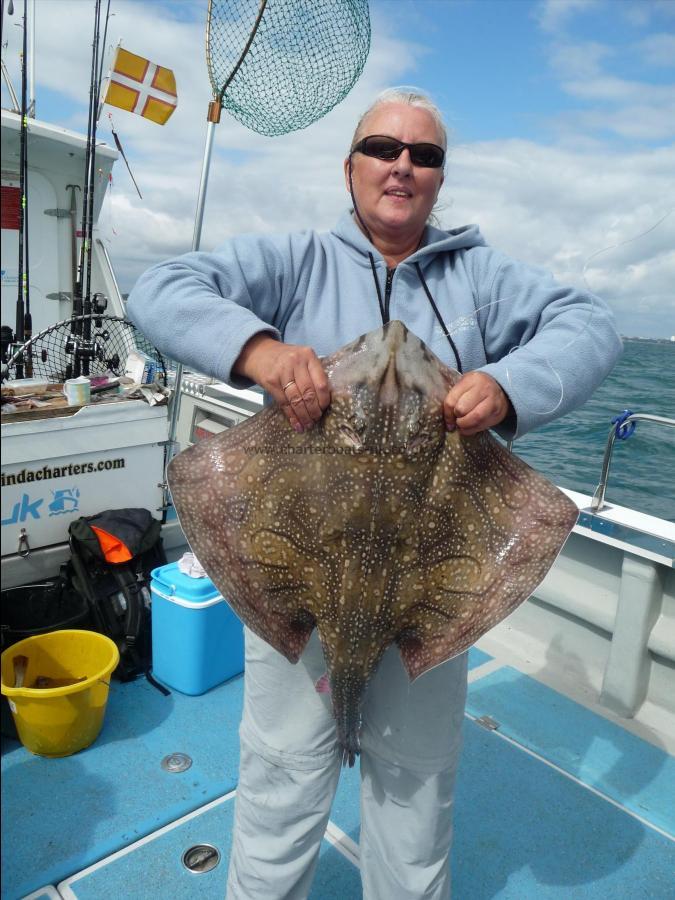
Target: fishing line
(471,320)
(109,208)
(622,244)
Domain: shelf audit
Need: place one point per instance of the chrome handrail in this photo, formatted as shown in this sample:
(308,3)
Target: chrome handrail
(598,501)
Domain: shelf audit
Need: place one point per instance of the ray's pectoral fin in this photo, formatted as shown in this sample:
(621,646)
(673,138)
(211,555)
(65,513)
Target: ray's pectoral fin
(274,592)
(488,563)
(275,612)
(283,590)
(442,612)
(434,633)
(268,579)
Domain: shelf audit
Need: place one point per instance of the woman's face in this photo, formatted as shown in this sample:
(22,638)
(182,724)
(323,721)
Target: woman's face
(394,197)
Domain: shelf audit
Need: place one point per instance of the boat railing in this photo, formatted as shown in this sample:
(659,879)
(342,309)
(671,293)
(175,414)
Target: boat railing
(622,428)
(109,273)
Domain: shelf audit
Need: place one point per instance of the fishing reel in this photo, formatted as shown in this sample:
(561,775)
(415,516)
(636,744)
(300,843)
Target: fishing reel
(83,348)
(7,344)
(99,304)
(11,349)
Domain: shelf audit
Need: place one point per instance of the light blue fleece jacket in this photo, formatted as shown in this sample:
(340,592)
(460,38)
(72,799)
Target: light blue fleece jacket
(548,346)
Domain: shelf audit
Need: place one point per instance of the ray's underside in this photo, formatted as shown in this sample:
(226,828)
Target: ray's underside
(375,527)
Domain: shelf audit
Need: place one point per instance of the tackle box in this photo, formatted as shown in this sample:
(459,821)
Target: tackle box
(197,640)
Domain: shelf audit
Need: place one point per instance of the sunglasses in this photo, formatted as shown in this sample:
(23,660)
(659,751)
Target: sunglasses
(379,146)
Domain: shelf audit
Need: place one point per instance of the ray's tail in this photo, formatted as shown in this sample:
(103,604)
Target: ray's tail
(347,688)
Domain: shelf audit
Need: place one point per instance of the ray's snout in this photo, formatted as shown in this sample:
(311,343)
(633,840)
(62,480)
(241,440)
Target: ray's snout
(396,365)
(389,383)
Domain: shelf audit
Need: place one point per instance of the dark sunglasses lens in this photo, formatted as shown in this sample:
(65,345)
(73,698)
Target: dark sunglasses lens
(382,147)
(428,155)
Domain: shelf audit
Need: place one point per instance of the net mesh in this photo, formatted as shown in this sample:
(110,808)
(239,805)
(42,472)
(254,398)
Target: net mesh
(303,59)
(60,352)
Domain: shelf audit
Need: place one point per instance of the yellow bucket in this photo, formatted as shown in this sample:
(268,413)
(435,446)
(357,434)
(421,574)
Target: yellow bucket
(60,706)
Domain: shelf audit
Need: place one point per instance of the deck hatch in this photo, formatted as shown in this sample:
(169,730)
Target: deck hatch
(176,762)
(201,858)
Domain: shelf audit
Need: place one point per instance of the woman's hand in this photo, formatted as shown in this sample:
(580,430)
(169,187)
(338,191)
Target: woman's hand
(292,374)
(475,404)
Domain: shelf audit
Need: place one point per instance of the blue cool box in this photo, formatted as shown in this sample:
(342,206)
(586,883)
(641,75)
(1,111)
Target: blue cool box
(197,641)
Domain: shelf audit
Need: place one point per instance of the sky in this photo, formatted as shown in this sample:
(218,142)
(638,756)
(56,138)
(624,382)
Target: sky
(562,135)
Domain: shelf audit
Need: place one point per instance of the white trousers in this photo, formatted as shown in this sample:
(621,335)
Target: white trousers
(290,765)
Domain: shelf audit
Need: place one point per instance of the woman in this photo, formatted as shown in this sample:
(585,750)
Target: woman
(263,309)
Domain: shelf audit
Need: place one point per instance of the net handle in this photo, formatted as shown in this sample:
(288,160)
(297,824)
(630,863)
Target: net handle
(218,95)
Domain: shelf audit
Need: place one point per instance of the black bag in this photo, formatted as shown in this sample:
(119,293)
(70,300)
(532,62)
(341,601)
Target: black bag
(38,608)
(112,555)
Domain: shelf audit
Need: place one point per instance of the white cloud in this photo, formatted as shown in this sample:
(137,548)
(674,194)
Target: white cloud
(578,60)
(641,13)
(631,109)
(658,50)
(620,90)
(553,15)
(557,208)
(639,122)
(550,206)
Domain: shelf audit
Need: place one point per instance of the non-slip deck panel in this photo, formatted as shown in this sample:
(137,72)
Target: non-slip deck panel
(633,772)
(68,813)
(153,870)
(524,831)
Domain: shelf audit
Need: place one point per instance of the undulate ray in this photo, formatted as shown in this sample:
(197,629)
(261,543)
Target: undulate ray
(376,527)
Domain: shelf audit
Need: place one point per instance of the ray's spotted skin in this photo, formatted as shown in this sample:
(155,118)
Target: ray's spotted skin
(376,527)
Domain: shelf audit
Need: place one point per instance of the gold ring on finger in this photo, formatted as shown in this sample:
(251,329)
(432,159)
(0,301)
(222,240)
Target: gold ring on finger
(287,385)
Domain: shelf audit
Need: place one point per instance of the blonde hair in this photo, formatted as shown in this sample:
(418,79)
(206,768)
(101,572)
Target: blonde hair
(410,97)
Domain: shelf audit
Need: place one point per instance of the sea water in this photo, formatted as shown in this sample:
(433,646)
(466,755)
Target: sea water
(570,450)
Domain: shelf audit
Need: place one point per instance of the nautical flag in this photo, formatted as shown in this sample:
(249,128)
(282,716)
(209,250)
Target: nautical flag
(139,86)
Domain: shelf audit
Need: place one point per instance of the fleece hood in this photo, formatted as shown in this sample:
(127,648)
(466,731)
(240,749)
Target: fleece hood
(434,240)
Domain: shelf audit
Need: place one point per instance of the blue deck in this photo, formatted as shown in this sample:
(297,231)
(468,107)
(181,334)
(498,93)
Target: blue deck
(556,802)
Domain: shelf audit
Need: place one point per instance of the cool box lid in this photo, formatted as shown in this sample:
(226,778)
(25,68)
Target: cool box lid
(170,583)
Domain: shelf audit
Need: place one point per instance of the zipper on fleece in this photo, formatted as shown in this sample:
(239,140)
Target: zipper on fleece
(387,292)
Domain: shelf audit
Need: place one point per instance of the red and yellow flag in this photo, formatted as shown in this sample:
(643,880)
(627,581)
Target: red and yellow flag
(141,87)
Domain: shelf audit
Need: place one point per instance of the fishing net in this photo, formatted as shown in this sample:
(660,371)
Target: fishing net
(279,65)
(82,345)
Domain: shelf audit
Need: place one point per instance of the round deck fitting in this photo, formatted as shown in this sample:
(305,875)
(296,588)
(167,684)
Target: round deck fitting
(201,858)
(176,762)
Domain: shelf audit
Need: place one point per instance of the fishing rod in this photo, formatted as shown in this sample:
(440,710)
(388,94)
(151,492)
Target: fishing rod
(82,292)
(91,185)
(24,321)
(97,70)
(84,305)
(29,110)
(100,70)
